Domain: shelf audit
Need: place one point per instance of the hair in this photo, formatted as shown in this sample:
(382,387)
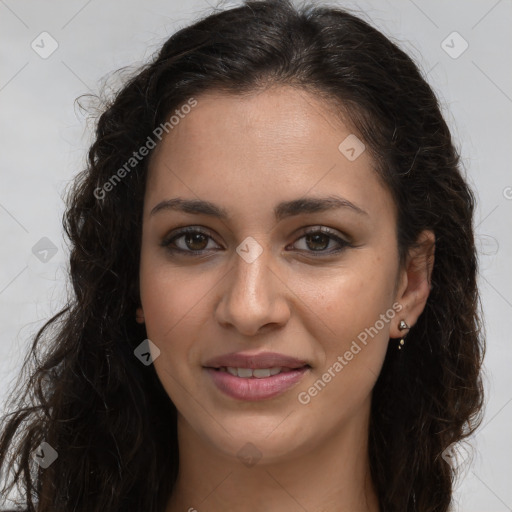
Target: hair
(107,415)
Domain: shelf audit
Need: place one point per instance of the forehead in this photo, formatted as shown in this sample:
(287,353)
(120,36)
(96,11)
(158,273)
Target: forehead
(282,142)
(271,118)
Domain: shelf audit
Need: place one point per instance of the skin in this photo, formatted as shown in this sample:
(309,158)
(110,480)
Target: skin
(246,154)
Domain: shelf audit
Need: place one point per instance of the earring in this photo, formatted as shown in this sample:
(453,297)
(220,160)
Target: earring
(402,326)
(139,316)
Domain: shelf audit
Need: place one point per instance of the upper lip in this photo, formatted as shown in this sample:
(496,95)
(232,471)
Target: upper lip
(261,360)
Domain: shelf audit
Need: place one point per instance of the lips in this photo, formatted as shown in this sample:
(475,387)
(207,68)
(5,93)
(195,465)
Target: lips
(255,361)
(255,376)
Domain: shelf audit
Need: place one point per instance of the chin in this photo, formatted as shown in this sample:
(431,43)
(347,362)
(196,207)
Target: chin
(265,440)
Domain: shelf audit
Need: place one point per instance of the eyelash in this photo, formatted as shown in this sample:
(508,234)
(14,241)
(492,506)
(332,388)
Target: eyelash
(312,231)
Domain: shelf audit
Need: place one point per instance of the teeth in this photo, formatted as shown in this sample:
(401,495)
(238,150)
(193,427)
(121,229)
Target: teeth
(233,371)
(259,373)
(244,372)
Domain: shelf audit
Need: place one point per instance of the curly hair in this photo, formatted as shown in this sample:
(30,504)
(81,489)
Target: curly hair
(108,416)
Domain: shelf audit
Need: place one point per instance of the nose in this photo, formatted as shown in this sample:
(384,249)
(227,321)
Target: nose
(254,296)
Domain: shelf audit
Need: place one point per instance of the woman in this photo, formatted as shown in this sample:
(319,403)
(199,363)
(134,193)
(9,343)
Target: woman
(274,275)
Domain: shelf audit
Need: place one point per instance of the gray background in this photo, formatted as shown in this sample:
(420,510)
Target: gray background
(44,139)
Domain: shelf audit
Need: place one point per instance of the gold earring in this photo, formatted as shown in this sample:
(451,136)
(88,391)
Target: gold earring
(402,326)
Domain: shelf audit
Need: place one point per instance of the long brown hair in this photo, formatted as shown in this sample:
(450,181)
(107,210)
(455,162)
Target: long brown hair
(106,414)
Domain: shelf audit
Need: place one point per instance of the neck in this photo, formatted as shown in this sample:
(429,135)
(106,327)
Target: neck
(332,475)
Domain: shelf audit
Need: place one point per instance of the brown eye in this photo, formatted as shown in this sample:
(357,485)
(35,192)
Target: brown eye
(195,241)
(318,240)
(192,241)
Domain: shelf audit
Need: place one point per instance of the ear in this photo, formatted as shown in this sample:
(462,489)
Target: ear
(139,316)
(415,281)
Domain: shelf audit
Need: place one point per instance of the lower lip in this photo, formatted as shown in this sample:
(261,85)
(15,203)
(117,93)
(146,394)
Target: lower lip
(254,388)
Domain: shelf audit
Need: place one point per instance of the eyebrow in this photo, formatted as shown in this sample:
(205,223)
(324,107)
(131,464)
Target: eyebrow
(281,211)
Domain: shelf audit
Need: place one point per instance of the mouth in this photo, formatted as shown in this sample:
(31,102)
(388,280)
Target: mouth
(271,361)
(257,373)
(255,384)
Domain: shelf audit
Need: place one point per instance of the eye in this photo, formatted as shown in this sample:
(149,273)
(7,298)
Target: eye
(195,241)
(318,239)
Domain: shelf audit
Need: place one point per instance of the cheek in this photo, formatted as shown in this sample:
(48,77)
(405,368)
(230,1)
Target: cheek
(172,308)
(170,298)
(358,308)
(352,299)
(170,305)
(353,353)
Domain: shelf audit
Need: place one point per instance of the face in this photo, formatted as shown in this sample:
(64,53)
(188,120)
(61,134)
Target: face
(319,284)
